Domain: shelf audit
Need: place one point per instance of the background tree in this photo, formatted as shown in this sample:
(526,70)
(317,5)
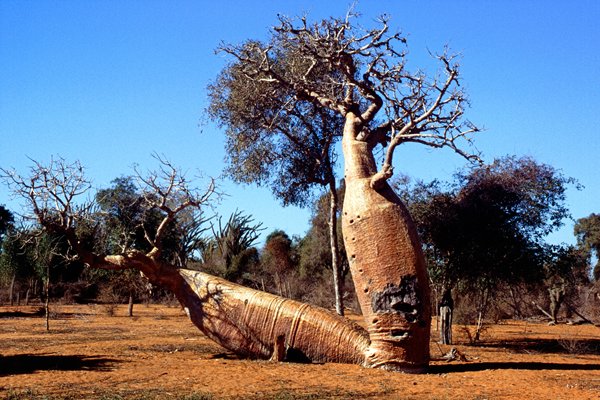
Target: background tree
(126,217)
(231,252)
(278,261)
(123,215)
(587,231)
(565,270)
(16,263)
(6,221)
(277,139)
(486,233)
(315,255)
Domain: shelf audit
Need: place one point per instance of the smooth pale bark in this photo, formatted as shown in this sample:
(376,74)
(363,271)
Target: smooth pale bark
(446,325)
(338,280)
(130,305)
(249,322)
(387,264)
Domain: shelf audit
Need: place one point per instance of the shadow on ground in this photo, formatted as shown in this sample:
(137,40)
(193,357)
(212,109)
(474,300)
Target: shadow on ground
(29,363)
(535,366)
(555,346)
(19,314)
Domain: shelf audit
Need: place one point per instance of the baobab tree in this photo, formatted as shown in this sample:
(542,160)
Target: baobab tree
(356,74)
(361,76)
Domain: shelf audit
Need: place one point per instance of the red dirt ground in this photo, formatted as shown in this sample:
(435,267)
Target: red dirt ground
(159,354)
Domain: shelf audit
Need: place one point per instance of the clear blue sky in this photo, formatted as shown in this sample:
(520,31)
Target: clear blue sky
(110,82)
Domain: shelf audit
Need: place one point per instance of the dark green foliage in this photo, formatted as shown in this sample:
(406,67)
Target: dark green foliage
(16,258)
(6,221)
(275,137)
(587,231)
(566,264)
(314,248)
(123,214)
(127,219)
(488,229)
(230,253)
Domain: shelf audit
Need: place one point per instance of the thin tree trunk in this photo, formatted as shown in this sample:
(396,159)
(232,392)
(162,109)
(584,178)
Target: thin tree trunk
(27,296)
(247,321)
(338,282)
(47,300)
(446,325)
(557,294)
(387,263)
(478,327)
(546,313)
(130,305)
(480,315)
(11,290)
(515,306)
(289,289)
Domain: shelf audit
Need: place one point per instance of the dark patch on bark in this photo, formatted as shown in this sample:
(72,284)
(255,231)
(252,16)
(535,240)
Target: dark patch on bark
(402,299)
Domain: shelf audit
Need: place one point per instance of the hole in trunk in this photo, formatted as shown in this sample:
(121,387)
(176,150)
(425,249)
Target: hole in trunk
(398,333)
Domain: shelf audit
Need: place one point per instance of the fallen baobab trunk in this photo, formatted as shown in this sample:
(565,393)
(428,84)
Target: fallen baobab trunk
(251,323)
(257,324)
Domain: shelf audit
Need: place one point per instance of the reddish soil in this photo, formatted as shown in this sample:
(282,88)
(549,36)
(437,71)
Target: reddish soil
(159,354)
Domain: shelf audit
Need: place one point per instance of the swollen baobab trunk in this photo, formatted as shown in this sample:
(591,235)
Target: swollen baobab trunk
(387,265)
(249,322)
(252,323)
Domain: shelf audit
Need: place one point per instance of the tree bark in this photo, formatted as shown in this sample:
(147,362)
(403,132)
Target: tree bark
(11,290)
(47,299)
(338,283)
(130,305)
(481,309)
(557,294)
(250,322)
(387,264)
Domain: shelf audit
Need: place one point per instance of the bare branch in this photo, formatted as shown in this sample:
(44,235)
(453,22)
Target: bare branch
(50,192)
(429,113)
(168,190)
